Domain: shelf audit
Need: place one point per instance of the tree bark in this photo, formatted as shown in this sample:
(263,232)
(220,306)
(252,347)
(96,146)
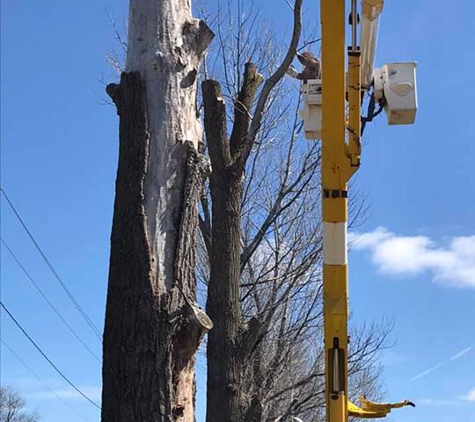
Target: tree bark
(225,352)
(153,326)
(231,342)
(225,373)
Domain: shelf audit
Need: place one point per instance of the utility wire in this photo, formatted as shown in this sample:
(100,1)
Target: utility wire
(46,357)
(55,310)
(50,266)
(41,380)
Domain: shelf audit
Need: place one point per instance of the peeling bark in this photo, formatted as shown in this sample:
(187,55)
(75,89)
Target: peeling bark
(153,326)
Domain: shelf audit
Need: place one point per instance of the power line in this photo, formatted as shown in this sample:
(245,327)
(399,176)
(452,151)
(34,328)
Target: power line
(46,357)
(50,266)
(41,380)
(38,288)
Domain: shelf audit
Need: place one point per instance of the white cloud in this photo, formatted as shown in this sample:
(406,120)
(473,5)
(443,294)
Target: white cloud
(426,372)
(453,264)
(94,393)
(457,355)
(461,353)
(470,396)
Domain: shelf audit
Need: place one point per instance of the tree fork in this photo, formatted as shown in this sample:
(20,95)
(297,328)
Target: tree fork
(226,359)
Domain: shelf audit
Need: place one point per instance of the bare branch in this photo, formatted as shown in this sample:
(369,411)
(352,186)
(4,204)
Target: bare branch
(252,81)
(269,86)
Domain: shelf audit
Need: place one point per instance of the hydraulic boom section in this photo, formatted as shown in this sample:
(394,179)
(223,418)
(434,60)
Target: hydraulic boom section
(371,410)
(333,113)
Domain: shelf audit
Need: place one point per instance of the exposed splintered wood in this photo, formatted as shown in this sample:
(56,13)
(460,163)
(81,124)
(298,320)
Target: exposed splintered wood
(153,326)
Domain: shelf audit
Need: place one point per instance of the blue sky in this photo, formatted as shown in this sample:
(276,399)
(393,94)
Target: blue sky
(412,261)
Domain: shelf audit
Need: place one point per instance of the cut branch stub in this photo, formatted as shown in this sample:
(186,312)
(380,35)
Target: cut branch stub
(194,324)
(269,85)
(199,35)
(243,105)
(201,319)
(113,90)
(215,124)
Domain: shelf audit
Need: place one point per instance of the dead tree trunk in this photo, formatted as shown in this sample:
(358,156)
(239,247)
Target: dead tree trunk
(153,327)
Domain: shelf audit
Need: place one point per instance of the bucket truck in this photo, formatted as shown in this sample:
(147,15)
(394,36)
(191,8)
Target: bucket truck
(332,113)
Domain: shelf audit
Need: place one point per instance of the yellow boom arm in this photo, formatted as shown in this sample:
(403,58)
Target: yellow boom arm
(371,410)
(341,150)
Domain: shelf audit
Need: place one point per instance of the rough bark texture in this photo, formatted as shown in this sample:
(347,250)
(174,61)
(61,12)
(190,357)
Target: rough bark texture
(225,375)
(153,327)
(225,351)
(231,341)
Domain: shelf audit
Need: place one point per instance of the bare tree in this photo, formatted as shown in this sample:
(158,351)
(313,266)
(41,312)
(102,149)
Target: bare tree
(153,326)
(232,340)
(261,228)
(12,407)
